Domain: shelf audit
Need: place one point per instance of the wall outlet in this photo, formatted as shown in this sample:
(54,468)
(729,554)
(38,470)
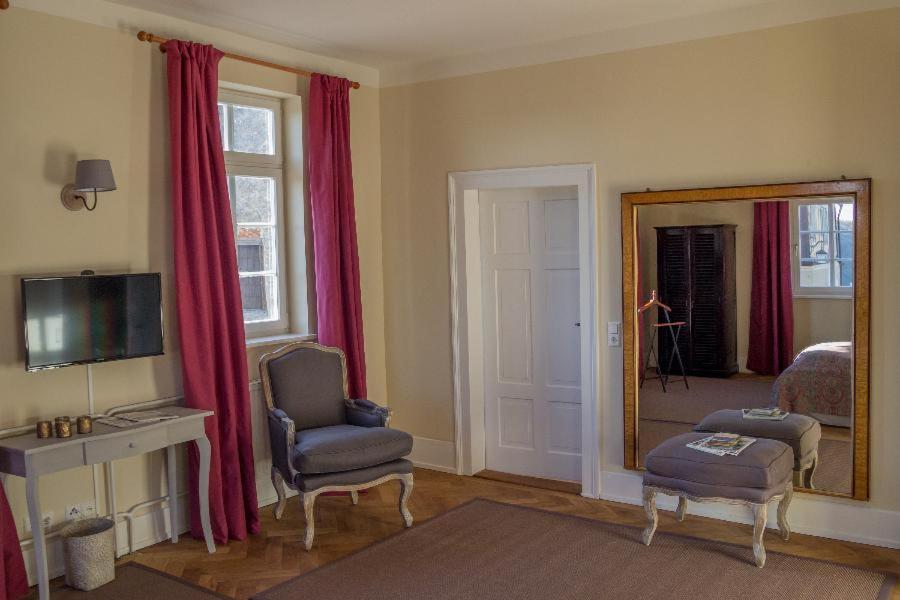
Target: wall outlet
(82,510)
(46,522)
(613,340)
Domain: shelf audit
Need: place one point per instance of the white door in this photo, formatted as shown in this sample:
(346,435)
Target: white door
(532,335)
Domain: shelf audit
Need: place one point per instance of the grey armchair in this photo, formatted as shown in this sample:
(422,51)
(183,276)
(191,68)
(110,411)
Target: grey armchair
(323,441)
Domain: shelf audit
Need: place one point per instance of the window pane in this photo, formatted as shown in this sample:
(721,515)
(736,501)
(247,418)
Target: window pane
(256,248)
(815,246)
(843,273)
(843,216)
(814,217)
(260,298)
(815,274)
(844,245)
(252,130)
(223,129)
(254,199)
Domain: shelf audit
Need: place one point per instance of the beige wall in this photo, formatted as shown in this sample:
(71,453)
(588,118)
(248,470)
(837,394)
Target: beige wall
(798,103)
(73,90)
(815,319)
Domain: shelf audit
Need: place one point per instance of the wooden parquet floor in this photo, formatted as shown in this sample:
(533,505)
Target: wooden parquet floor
(241,569)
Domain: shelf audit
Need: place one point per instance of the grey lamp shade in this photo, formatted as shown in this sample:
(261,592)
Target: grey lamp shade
(94,176)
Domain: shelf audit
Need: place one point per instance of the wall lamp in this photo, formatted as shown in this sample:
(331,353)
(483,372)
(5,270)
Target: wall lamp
(90,176)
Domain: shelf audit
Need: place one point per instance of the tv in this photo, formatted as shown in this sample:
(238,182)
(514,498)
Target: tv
(91,318)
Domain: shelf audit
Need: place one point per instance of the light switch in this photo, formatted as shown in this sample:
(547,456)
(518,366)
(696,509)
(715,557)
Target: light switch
(612,327)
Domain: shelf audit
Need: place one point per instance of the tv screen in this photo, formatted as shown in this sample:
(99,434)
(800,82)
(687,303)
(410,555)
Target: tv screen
(91,318)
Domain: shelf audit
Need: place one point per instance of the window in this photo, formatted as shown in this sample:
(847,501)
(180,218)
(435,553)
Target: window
(823,247)
(251,136)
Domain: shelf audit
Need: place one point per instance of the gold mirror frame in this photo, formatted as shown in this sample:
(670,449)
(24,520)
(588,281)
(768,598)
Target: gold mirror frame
(860,189)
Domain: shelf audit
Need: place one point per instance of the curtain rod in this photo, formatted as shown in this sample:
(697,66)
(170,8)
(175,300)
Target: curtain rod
(155,39)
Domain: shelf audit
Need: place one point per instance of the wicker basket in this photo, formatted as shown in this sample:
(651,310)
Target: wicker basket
(89,552)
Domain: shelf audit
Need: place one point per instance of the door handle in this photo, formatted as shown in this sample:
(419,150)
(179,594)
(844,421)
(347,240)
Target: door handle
(578,324)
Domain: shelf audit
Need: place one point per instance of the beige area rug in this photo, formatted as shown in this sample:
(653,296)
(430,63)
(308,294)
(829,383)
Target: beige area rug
(707,395)
(487,550)
(137,582)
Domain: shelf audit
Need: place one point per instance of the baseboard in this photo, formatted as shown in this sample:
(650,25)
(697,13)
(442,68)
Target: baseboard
(148,528)
(436,455)
(832,518)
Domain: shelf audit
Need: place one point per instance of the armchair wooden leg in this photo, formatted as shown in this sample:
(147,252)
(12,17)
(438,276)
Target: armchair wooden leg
(278,483)
(309,501)
(406,487)
(354,497)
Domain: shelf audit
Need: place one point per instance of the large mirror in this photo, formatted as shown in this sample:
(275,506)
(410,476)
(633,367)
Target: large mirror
(751,297)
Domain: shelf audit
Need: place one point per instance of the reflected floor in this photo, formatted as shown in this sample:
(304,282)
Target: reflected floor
(663,415)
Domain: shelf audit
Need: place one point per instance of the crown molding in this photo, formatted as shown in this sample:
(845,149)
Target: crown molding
(128,19)
(761,16)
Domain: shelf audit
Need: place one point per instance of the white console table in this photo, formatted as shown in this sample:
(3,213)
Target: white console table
(29,457)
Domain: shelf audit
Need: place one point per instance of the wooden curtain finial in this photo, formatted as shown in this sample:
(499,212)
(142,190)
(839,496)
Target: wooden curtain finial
(4,4)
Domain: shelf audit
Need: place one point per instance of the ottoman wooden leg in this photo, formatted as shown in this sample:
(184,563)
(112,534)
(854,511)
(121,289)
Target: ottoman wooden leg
(760,512)
(652,517)
(783,506)
(682,508)
(808,473)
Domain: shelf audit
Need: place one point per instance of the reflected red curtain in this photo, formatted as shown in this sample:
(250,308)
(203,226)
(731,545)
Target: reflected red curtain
(771,347)
(13,579)
(338,302)
(211,323)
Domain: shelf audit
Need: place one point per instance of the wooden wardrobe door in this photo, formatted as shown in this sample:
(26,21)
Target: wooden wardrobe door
(706,297)
(673,274)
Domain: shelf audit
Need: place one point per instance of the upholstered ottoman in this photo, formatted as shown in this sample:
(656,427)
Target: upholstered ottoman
(757,476)
(800,432)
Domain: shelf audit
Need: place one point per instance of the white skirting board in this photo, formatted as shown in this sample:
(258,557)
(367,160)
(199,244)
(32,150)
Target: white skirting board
(436,455)
(821,516)
(148,528)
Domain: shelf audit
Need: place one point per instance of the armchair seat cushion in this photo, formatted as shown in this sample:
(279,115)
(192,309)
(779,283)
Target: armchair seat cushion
(346,447)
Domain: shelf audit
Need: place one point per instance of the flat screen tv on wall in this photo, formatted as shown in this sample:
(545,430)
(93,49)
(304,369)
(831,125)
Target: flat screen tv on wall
(91,318)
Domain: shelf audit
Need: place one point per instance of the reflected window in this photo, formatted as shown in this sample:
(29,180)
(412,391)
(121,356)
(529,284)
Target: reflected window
(823,248)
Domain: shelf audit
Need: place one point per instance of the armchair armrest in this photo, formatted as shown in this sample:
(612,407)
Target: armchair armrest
(282,433)
(365,413)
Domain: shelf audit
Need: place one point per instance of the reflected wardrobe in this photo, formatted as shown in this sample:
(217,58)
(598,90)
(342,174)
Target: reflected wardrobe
(696,278)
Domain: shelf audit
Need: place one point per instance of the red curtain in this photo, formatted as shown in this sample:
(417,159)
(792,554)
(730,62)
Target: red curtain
(338,304)
(211,324)
(771,297)
(13,580)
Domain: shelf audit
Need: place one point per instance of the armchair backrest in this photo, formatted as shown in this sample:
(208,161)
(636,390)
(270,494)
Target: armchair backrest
(308,381)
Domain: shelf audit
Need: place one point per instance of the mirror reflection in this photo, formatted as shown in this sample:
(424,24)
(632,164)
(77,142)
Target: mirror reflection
(749,305)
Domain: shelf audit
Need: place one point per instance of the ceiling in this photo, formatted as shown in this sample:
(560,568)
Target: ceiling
(391,32)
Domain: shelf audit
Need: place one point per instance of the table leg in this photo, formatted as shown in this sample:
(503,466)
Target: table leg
(172,489)
(203,482)
(37,533)
(111,500)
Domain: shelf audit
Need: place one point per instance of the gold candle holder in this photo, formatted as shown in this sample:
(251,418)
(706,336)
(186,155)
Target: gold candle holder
(44,429)
(63,427)
(85,424)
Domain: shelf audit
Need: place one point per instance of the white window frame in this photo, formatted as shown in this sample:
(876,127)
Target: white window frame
(263,165)
(832,292)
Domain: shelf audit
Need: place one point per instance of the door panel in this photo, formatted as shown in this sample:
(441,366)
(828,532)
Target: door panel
(516,422)
(532,339)
(513,310)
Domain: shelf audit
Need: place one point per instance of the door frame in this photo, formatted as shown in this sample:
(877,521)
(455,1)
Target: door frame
(465,300)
